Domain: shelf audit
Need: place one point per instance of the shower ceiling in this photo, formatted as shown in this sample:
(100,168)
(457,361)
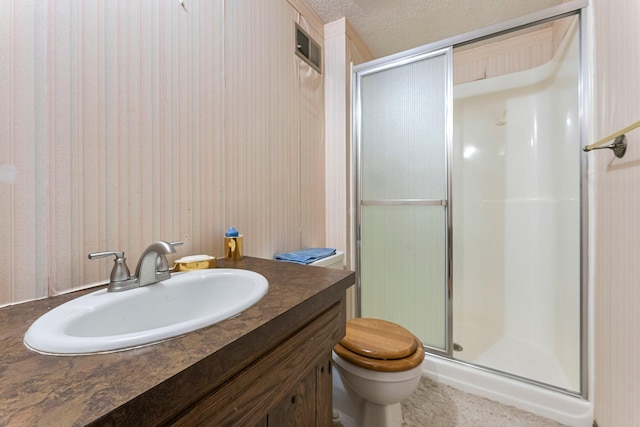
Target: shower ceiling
(391,26)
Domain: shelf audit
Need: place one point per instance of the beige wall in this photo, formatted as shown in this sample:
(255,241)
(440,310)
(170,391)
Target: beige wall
(344,48)
(511,53)
(131,121)
(616,217)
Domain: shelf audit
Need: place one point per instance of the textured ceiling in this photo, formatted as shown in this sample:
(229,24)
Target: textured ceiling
(391,26)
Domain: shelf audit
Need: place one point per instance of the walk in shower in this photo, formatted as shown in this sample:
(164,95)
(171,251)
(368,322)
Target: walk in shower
(516,215)
(469,200)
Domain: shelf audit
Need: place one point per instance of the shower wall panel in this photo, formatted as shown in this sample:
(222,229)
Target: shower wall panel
(517,220)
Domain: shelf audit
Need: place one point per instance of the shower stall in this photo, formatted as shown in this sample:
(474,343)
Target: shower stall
(469,200)
(516,242)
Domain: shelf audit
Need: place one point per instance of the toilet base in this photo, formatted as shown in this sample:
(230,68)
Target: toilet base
(381,415)
(347,407)
(356,412)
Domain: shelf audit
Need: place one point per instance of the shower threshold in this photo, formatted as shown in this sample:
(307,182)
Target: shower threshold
(559,405)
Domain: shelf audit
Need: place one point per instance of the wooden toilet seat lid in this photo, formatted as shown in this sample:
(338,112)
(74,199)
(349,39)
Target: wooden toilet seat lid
(378,339)
(395,365)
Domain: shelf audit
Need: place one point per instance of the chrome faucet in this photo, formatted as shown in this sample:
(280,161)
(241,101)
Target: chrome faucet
(147,270)
(152,266)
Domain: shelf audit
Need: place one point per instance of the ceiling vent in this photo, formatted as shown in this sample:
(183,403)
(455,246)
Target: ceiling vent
(308,49)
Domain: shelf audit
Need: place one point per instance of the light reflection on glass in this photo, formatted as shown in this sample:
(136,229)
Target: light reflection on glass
(469,151)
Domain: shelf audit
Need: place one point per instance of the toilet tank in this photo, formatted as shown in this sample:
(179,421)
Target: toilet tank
(333,261)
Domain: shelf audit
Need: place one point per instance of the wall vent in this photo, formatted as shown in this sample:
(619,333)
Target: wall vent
(308,49)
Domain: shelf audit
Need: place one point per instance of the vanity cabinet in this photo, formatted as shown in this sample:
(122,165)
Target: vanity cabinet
(289,385)
(269,366)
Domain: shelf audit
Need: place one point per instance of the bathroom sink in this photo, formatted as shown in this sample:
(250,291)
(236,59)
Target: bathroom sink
(111,321)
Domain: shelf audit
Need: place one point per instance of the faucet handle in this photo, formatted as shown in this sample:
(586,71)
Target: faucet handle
(120,271)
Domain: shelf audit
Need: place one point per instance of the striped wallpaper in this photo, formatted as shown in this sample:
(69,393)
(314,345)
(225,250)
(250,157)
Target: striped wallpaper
(125,122)
(343,48)
(519,51)
(616,221)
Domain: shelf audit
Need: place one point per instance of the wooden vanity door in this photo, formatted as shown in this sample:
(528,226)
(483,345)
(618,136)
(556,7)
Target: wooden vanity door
(309,403)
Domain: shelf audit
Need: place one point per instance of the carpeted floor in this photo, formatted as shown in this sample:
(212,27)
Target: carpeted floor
(438,405)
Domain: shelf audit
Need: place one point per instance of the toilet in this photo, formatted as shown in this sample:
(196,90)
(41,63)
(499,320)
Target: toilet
(334,261)
(378,364)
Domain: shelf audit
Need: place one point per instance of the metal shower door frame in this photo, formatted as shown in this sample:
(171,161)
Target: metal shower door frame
(358,74)
(572,7)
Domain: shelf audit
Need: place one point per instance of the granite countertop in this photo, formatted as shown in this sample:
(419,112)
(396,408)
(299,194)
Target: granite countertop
(150,383)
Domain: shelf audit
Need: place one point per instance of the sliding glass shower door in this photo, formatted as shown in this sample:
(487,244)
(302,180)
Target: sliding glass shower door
(497,280)
(404,117)
(516,180)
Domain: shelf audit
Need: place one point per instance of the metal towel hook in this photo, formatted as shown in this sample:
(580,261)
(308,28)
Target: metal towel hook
(619,145)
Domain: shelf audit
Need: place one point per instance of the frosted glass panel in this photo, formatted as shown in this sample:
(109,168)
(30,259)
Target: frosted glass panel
(403,131)
(403,193)
(403,268)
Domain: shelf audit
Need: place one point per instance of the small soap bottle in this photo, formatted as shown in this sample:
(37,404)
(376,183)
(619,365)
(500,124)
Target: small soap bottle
(233,244)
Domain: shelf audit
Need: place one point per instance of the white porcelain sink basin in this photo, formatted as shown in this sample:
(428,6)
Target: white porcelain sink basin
(110,321)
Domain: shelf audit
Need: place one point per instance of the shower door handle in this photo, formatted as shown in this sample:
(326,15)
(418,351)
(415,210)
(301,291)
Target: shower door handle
(405,202)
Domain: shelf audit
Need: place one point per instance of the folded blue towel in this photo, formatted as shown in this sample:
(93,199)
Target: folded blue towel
(305,256)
